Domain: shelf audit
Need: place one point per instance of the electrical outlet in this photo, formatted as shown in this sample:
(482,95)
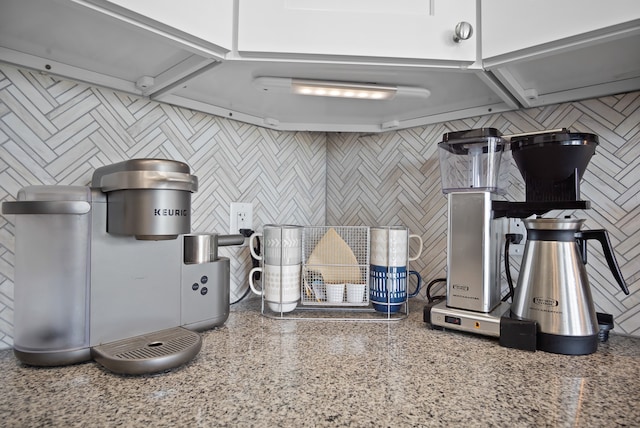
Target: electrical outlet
(516,225)
(240,217)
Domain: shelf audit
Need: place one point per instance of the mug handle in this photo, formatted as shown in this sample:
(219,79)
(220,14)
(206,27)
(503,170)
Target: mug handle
(417,274)
(253,253)
(251,284)
(419,250)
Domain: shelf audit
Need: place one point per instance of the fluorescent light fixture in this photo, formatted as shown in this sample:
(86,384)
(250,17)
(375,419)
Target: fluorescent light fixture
(328,88)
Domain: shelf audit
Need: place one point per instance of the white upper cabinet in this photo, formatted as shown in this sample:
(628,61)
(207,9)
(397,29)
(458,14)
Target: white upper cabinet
(362,30)
(509,26)
(104,44)
(207,25)
(550,51)
(216,55)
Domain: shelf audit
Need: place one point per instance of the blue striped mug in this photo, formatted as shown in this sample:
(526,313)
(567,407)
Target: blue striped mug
(388,287)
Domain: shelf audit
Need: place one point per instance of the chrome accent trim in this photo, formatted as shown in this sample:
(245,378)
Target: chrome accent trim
(46,207)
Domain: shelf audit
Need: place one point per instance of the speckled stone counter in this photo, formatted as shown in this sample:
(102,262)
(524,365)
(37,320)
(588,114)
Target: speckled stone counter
(256,371)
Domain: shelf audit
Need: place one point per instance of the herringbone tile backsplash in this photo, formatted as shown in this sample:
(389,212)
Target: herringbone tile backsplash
(55,131)
(394,178)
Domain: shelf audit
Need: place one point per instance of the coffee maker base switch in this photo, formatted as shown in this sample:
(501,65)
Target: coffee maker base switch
(440,316)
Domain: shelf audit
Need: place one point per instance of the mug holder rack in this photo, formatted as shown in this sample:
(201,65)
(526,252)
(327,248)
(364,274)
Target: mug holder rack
(336,256)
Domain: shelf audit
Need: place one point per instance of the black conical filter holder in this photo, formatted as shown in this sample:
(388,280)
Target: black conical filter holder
(552,164)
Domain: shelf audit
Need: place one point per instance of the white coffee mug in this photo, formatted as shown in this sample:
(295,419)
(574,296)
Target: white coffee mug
(390,245)
(281,244)
(280,285)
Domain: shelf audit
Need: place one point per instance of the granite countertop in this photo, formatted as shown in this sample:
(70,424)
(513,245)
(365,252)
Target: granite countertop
(257,371)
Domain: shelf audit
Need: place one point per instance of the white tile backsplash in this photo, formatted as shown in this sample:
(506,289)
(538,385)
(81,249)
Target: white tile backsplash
(54,131)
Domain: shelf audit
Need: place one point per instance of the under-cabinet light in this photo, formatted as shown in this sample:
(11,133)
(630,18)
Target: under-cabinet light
(322,88)
(342,89)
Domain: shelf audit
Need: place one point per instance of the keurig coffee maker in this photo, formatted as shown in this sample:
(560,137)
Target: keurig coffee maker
(112,271)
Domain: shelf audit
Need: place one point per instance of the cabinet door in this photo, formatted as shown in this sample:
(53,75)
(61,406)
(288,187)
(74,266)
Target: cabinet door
(399,30)
(510,26)
(547,52)
(80,41)
(203,22)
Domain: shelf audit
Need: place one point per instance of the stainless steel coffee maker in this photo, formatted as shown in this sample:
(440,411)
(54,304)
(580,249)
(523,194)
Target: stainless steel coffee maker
(552,308)
(112,271)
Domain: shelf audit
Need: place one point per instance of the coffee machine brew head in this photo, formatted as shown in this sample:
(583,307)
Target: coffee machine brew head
(147,198)
(552,164)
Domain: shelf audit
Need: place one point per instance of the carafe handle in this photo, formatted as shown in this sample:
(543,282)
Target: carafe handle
(602,236)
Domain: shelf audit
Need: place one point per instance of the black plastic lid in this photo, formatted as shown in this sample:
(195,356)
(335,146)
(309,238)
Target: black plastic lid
(458,142)
(471,133)
(554,138)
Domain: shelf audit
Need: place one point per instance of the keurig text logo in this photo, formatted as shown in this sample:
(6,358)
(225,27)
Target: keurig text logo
(165,212)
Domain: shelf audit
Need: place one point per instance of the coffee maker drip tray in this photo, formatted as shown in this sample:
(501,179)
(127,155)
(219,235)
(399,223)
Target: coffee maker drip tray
(149,353)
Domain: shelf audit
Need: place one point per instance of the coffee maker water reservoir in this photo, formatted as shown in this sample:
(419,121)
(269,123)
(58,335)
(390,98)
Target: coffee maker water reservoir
(51,305)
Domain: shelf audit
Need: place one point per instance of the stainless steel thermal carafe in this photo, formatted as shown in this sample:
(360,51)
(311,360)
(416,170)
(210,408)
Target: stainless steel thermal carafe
(553,285)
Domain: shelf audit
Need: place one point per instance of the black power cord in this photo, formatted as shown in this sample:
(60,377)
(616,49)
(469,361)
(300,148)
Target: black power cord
(430,298)
(511,238)
(254,262)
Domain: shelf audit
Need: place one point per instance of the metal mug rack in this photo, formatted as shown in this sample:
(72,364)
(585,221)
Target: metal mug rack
(335,278)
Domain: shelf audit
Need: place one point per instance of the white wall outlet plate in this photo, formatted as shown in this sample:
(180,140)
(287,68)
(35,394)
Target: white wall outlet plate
(240,217)
(516,225)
